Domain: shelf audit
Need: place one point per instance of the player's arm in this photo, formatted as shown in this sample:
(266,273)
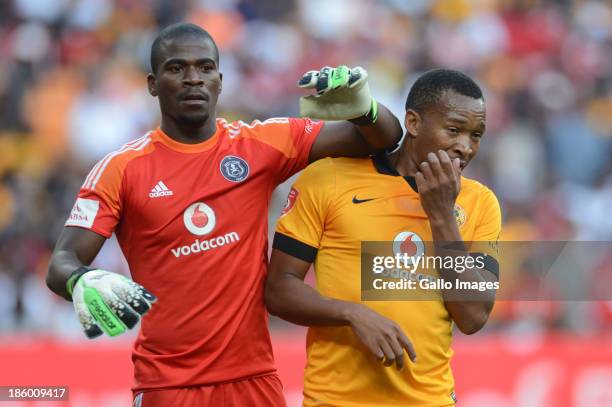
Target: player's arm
(288,297)
(347,139)
(438,181)
(357,125)
(75,247)
(104,302)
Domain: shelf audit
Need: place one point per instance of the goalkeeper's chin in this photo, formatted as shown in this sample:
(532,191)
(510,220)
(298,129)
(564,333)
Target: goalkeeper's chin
(194,118)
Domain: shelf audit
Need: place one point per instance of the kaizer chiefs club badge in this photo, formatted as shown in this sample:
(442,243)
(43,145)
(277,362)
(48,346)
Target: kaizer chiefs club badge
(234,169)
(460,216)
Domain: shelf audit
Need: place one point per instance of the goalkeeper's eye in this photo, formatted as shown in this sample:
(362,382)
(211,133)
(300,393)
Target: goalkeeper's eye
(453,130)
(207,67)
(174,68)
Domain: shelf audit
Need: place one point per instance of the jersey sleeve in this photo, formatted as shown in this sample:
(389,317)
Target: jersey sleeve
(98,204)
(488,228)
(302,222)
(293,138)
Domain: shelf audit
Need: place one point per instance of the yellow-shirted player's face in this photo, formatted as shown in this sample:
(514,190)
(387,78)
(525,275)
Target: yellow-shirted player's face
(187,81)
(455,124)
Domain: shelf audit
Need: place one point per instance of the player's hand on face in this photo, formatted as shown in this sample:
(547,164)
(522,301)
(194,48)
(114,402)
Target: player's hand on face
(383,337)
(439,182)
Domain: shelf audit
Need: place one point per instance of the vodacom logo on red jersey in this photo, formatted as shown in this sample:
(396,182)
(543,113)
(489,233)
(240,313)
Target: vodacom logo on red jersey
(200,220)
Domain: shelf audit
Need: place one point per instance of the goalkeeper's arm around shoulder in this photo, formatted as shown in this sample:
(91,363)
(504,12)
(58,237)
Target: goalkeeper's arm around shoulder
(105,302)
(359,125)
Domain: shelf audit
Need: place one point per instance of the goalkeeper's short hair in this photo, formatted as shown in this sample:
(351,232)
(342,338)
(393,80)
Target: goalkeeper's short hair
(429,87)
(176,31)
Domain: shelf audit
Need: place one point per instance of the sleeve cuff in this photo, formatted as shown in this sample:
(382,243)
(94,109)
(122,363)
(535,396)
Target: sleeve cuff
(490,263)
(294,247)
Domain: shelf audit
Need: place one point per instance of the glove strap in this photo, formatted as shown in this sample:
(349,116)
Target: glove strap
(368,118)
(74,277)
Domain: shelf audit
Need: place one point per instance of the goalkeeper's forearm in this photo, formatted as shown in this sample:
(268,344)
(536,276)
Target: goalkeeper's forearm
(384,133)
(75,247)
(63,264)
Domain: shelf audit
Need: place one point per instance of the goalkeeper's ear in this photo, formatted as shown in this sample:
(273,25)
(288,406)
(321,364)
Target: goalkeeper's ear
(152,84)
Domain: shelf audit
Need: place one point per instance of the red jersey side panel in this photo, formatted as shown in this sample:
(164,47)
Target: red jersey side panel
(192,223)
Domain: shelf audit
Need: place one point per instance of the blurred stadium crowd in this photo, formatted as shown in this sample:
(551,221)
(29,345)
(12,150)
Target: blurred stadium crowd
(72,88)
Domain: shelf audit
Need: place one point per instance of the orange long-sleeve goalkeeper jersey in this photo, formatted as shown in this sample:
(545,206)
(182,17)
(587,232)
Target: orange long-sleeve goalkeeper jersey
(191,220)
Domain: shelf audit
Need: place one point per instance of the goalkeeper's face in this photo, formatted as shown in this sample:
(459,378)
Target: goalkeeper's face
(187,81)
(455,124)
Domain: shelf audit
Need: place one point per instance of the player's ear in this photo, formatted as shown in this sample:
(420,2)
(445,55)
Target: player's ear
(152,84)
(412,122)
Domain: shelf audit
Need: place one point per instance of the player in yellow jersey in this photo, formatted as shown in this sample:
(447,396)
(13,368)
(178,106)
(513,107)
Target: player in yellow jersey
(413,195)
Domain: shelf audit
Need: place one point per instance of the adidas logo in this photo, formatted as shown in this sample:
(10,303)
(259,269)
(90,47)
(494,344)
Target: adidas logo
(160,190)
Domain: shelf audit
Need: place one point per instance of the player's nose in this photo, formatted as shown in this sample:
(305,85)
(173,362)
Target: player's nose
(462,148)
(193,77)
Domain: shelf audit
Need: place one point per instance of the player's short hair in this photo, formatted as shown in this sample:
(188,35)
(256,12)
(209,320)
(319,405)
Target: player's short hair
(176,31)
(430,86)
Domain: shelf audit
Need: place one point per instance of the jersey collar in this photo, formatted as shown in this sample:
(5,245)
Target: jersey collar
(383,166)
(187,148)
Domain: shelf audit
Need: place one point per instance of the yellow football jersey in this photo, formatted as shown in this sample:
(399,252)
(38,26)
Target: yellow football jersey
(335,205)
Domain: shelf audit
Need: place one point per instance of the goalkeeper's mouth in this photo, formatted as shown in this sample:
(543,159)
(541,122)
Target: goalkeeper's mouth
(196,99)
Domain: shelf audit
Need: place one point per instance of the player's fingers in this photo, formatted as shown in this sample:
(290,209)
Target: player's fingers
(406,344)
(91,329)
(446,164)
(398,351)
(137,297)
(388,351)
(148,295)
(104,307)
(375,349)
(309,80)
(324,79)
(340,77)
(420,181)
(436,167)
(457,164)
(119,306)
(128,316)
(425,168)
(357,75)
(457,168)
(144,293)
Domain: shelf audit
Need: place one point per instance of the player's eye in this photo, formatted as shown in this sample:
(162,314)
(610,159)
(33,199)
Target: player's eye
(207,67)
(477,135)
(453,130)
(174,68)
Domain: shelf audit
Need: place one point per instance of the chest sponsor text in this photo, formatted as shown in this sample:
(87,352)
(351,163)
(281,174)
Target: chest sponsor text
(203,245)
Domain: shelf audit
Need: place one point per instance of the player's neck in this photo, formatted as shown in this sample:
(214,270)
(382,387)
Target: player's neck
(188,133)
(402,160)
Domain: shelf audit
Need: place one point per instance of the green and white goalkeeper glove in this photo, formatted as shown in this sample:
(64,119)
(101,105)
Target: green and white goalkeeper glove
(107,302)
(342,94)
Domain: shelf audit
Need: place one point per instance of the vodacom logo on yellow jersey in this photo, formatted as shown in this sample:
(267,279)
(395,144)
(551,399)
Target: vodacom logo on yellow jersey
(200,220)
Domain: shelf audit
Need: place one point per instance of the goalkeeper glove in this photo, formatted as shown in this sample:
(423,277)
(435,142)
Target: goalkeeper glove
(107,302)
(342,94)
